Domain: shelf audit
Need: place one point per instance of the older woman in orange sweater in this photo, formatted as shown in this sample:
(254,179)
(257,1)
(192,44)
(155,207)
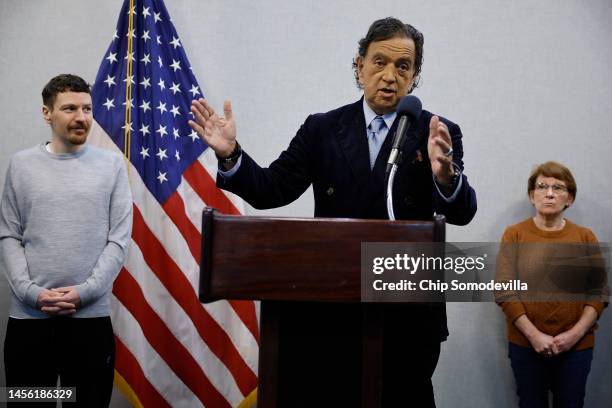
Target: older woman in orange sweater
(550,338)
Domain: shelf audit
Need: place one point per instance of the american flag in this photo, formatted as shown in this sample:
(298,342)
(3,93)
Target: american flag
(171,350)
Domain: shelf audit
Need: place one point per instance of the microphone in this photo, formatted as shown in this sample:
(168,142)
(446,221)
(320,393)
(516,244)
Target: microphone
(409,110)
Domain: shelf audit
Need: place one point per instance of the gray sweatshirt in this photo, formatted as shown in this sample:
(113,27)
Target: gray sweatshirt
(65,220)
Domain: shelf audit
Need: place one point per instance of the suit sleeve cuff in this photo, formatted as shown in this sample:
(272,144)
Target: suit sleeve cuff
(227,174)
(456,187)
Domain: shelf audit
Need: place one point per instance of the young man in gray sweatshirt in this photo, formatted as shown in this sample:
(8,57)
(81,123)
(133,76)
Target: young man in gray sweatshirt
(65,225)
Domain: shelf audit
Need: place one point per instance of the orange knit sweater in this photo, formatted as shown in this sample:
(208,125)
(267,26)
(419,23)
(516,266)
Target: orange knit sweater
(518,262)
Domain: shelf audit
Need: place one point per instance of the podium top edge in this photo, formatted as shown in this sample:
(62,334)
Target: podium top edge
(217,214)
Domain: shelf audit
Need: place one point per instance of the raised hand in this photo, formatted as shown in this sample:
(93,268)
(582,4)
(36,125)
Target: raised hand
(440,150)
(218,132)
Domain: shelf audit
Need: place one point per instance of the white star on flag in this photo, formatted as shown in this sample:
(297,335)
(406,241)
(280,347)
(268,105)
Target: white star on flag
(129,125)
(176,65)
(162,177)
(162,131)
(110,81)
(145,106)
(194,91)
(112,57)
(144,152)
(146,82)
(144,129)
(175,88)
(175,42)
(161,154)
(109,103)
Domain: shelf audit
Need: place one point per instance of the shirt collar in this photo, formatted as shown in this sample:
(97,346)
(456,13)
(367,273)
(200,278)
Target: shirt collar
(369,114)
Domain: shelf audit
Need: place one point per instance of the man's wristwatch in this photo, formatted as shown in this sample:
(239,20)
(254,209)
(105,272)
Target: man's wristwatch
(453,180)
(233,157)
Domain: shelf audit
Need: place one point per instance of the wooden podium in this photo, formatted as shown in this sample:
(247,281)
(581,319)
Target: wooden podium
(320,344)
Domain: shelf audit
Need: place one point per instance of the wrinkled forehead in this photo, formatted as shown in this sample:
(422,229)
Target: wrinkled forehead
(398,47)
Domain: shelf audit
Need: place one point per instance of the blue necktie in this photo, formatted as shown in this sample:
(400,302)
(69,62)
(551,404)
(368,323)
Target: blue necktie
(375,138)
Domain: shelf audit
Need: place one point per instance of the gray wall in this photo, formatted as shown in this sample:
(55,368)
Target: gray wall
(527,81)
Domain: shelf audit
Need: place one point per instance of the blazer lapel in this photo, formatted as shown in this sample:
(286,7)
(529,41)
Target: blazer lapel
(353,141)
(414,139)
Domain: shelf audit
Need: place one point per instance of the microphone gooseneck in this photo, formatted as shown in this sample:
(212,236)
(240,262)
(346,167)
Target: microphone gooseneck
(408,110)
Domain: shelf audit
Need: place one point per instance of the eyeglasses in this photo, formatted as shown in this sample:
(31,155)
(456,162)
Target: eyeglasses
(556,188)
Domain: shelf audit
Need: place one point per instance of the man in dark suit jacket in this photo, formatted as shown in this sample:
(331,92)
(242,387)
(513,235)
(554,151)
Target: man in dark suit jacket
(343,153)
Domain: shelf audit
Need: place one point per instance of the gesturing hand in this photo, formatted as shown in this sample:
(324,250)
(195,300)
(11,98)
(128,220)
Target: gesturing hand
(218,132)
(439,145)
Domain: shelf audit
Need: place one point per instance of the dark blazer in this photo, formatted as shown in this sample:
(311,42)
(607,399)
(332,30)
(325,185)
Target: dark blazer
(330,151)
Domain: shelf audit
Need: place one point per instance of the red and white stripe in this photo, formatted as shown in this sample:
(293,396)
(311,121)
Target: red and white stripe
(171,349)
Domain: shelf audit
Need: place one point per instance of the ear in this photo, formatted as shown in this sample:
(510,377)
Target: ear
(570,201)
(46,114)
(415,82)
(359,61)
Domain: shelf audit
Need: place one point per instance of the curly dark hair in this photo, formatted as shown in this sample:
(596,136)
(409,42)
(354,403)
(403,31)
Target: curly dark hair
(63,83)
(387,28)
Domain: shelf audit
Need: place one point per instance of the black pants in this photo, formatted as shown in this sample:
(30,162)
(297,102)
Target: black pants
(409,360)
(324,341)
(81,352)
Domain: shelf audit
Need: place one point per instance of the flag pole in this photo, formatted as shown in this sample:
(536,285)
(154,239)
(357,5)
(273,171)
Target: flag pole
(128,86)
